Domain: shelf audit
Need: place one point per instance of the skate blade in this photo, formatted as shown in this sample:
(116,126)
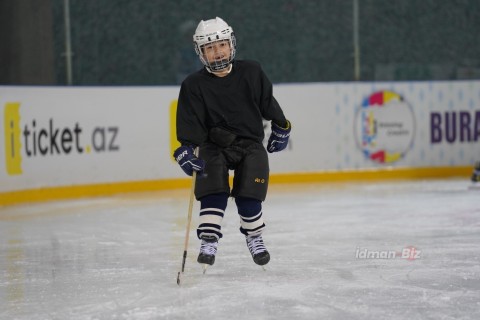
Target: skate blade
(205,268)
(264,269)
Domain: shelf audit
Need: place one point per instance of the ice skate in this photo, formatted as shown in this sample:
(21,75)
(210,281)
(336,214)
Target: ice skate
(476,173)
(208,249)
(258,250)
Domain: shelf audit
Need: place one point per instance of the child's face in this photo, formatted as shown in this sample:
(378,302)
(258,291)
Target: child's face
(217,51)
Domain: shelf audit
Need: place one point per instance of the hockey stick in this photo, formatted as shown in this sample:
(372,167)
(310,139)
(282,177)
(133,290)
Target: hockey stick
(189,220)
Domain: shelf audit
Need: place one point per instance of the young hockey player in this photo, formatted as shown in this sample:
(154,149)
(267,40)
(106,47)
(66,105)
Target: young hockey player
(221,110)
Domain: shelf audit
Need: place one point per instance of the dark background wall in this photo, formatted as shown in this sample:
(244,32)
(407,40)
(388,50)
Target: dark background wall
(26,42)
(148,42)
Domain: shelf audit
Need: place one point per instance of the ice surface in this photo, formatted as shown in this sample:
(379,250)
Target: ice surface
(118,257)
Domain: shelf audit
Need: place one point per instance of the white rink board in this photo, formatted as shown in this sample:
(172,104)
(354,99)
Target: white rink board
(128,130)
(139,151)
(324,115)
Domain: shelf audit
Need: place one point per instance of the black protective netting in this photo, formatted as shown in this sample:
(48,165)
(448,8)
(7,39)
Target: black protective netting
(125,42)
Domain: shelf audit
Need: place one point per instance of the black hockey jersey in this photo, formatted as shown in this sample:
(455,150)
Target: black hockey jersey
(237,103)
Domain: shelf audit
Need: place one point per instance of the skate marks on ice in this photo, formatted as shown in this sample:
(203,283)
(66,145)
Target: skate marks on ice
(113,258)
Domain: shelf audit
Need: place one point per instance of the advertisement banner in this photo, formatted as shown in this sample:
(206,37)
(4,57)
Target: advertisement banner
(71,136)
(64,136)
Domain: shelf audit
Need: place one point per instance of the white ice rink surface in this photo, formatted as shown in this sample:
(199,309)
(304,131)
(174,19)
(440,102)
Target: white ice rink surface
(118,257)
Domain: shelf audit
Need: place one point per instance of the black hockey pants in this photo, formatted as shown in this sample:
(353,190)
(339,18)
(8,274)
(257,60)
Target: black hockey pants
(246,157)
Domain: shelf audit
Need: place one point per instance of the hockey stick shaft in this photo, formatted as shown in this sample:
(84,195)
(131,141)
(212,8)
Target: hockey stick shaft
(189,220)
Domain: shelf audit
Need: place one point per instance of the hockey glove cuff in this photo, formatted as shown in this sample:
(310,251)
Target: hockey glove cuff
(188,161)
(279,137)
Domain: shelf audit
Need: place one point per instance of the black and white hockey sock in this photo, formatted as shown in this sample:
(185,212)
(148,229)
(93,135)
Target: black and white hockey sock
(212,210)
(251,216)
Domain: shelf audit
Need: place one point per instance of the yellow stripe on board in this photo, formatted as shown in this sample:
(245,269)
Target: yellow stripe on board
(94,190)
(71,192)
(373,175)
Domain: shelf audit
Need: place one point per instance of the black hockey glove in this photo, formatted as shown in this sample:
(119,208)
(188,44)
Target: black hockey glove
(188,161)
(279,138)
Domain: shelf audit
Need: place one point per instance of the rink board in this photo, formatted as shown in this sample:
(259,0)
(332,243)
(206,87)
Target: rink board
(72,141)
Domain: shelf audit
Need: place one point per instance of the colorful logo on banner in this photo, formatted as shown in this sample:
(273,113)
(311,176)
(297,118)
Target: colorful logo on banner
(384,127)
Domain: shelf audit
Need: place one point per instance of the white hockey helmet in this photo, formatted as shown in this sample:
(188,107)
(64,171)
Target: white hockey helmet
(211,31)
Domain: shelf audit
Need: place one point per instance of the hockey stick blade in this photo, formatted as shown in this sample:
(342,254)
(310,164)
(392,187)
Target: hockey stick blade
(183,266)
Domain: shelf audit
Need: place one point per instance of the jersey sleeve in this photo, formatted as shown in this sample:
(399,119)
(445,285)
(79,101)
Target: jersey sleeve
(269,106)
(191,128)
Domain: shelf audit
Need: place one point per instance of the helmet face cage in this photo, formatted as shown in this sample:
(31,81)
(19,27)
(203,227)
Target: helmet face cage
(212,31)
